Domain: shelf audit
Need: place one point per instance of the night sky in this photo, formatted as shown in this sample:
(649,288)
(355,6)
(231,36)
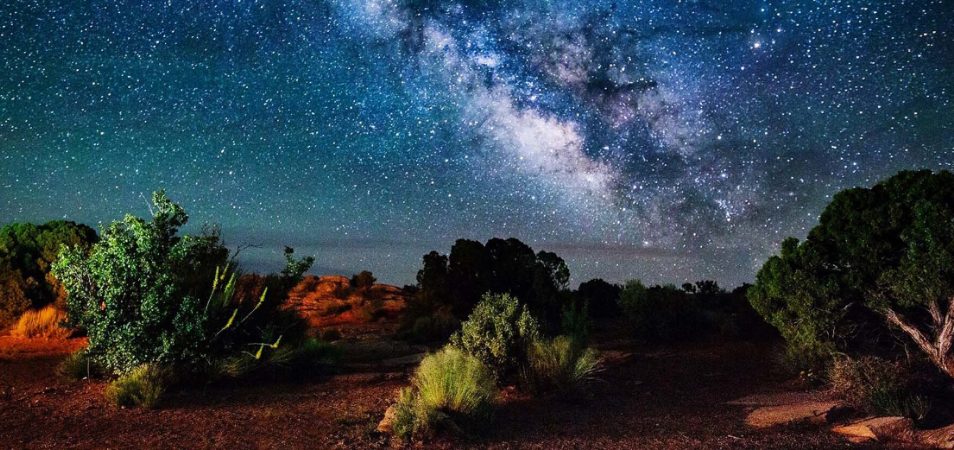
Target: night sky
(666,140)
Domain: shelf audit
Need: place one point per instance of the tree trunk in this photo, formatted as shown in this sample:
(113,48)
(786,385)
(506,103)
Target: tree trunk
(938,345)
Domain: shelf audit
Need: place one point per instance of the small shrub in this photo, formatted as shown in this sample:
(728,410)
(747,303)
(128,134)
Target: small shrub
(498,332)
(575,320)
(78,366)
(435,327)
(878,386)
(13,297)
(450,390)
(561,364)
(45,323)
(363,280)
(141,387)
(406,414)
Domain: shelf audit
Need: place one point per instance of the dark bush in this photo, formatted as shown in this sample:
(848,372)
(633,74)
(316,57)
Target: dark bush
(602,298)
(659,313)
(695,311)
(363,280)
(27,252)
(457,282)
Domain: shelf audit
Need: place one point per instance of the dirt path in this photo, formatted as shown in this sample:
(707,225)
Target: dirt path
(655,399)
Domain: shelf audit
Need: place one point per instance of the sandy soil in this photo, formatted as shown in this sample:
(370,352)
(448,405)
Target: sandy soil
(649,398)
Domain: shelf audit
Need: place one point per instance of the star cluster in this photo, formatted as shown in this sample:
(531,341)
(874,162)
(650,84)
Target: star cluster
(666,140)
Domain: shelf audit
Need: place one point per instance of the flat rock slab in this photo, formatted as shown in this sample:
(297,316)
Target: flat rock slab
(878,429)
(896,429)
(770,416)
(938,438)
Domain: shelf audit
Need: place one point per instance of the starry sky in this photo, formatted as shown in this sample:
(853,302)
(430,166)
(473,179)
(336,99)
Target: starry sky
(660,139)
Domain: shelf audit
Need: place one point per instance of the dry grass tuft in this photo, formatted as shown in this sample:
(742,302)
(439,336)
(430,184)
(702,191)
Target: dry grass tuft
(45,323)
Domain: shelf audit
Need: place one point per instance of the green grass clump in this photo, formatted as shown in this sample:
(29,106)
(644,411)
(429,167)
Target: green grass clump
(560,364)
(78,366)
(451,390)
(141,387)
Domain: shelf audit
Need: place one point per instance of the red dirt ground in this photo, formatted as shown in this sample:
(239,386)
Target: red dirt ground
(656,398)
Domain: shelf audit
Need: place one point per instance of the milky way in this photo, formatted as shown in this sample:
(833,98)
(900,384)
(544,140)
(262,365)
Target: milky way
(665,140)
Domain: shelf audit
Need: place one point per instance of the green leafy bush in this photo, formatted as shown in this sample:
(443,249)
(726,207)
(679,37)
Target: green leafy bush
(143,386)
(561,364)
(880,259)
(136,294)
(127,295)
(498,332)
(450,390)
(878,386)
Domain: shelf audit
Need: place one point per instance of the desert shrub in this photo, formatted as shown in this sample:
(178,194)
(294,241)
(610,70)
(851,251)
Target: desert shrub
(560,364)
(878,386)
(363,280)
(45,323)
(142,386)
(660,313)
(880,261)
(436,326)
(134,293)
(310,355)
(13,298)
(407,411)
(450,390)
(602,297)
(77,366)
(575,320)
(457,282)
(809,366)
(26,254)
(498,332)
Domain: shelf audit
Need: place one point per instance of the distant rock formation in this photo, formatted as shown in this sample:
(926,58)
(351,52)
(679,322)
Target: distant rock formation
(331,301)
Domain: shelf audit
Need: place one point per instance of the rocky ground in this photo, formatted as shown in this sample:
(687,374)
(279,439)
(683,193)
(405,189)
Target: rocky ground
(673,397)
